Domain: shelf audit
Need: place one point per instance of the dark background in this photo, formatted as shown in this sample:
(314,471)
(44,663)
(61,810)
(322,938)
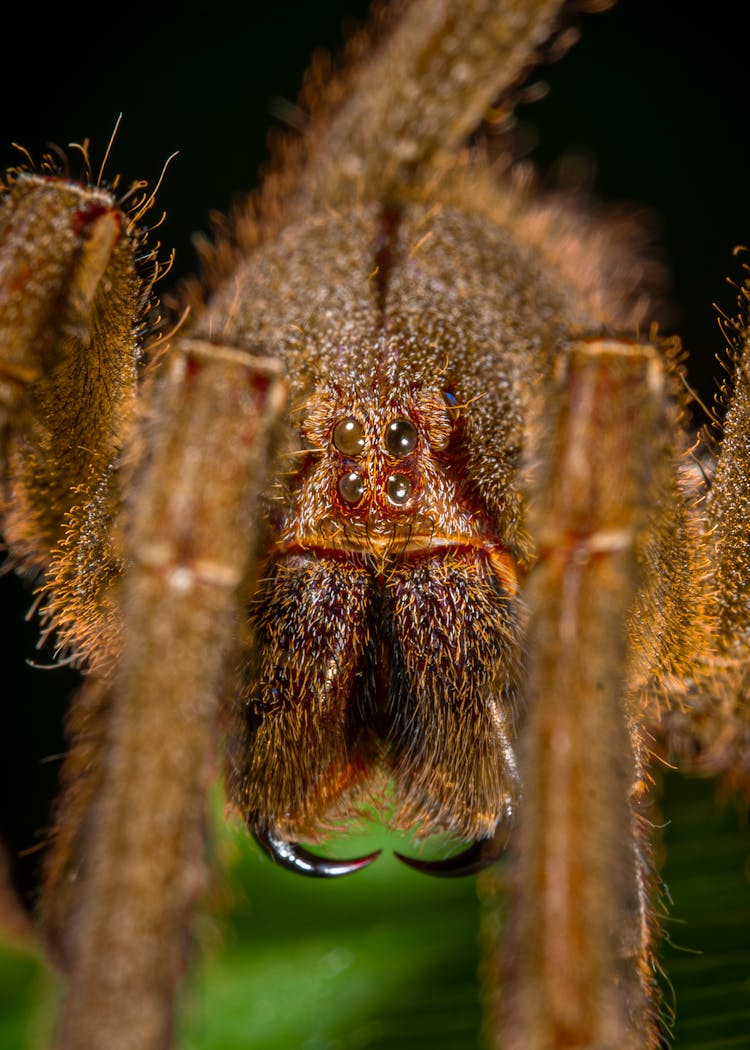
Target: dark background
(656,102)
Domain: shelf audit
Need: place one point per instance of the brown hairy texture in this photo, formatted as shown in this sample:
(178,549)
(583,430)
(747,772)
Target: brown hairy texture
(329,83)
(710,729)
(573,980)
(402,513)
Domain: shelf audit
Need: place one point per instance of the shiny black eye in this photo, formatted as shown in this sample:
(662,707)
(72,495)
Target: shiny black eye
(451,403)
(349,437)
(351,487)
(398,488)
(400,437)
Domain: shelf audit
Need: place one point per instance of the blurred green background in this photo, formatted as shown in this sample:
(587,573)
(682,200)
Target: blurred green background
(387,960)
(656,102)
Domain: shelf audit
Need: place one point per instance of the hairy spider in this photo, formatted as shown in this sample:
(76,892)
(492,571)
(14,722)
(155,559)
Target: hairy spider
(411,490)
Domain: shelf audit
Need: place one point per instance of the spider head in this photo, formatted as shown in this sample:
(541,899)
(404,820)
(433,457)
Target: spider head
(382,475)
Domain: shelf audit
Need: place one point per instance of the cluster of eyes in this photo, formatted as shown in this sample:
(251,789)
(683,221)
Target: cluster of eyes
(399,439)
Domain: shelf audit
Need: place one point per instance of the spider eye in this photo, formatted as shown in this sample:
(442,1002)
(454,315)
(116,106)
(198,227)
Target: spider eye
(398,488)
(349,437)
(451,403)
(351,487)
(400,437)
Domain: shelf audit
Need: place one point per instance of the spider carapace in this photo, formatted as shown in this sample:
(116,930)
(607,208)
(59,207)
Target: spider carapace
(386,624)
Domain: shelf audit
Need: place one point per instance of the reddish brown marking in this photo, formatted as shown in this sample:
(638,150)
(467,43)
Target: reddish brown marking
(501,561)
(19,280)
(259,383)
(192,366)
(89,213)
(385,251)
(505,568)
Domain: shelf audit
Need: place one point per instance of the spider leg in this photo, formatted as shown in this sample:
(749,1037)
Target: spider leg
(709,730)
(159,602)
(69,300)
(70,297)
(414,103)
(580,942)
(189,542)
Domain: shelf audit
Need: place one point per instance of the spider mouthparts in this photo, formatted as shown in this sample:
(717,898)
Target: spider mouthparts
(293,857)
(478,856)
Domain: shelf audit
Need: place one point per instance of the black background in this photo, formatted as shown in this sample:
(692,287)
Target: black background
(655,97)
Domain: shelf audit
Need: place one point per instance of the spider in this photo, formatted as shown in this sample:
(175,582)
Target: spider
(372,440)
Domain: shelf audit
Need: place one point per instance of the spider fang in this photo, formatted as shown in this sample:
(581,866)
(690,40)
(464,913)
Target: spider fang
(296,858)
(475,858)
